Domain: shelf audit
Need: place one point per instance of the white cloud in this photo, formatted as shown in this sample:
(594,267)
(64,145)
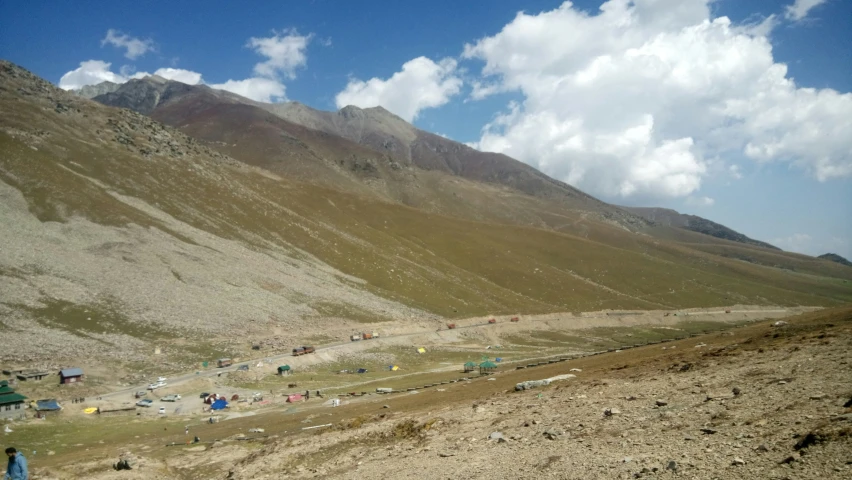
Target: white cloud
(284,53)
(134,47)
(800,9)
(700,201)
(808,245)
(420,84)
(735,171)
(90,72)
(634,99)
(259,89)
(798,242)
(93,72)
(179,75)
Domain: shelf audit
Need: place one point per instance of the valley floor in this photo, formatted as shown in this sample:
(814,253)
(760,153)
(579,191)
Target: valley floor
(761,401)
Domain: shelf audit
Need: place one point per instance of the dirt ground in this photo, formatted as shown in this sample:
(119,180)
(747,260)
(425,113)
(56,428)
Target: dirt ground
(762,401)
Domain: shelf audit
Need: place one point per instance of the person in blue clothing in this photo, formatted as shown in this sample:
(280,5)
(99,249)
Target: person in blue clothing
(17,468)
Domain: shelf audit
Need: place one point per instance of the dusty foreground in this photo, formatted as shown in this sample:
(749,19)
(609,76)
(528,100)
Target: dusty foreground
(762,401)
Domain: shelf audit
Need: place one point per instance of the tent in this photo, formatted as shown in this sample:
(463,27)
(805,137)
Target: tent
(283,368)
(487,367)
(498,359)
(469,367)
(47,405)
(294,397)
(421,350)
(393,368)
(362,370)
(219,404)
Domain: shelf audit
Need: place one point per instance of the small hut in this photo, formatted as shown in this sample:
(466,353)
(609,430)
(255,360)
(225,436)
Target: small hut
(487,367)
(469,367)
(284,370)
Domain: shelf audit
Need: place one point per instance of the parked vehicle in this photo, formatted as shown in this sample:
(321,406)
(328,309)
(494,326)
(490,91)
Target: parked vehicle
(170,398)
(162,411)
(243,368)
(140,394)
(366,336)
(224,362)
(161,379)
(304,350)
(157,385)
(355,337)
(515,319)
(144,403)
(492,321)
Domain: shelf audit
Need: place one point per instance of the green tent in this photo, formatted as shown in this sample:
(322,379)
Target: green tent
(283,368)
(486,367)
(469,366)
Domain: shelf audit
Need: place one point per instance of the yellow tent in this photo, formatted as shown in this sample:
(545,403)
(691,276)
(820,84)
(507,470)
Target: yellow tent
(90,410)
(395,368)
(421,350)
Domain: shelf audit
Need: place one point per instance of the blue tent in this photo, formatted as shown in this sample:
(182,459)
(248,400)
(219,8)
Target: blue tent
(498,359)
(219,404)
(47,405)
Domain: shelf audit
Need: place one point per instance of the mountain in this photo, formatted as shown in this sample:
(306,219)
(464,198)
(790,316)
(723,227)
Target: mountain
(92,91)
(375,151)
(833,257)
(122,234)
(668,217)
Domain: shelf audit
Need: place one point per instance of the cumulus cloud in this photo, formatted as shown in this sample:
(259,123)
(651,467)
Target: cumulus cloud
(258,89)
(422,83)
(700,201)
(93,72)
(800,9)
(634,99)
(284,53)
(90,72)
(134,47)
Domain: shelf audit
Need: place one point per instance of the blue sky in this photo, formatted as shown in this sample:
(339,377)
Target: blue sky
(751,168)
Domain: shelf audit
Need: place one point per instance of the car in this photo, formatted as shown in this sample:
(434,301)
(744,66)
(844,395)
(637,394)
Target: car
(161,379)
(144,403)
(162,411)
(243,367)
(154,386)
(170,398)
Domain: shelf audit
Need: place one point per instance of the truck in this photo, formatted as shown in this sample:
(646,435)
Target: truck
(303,350)
(366,336)
(224,362)
(170,398)
(355,337)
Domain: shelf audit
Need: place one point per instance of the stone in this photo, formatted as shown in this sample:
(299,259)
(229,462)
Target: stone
(818,396)
(672,465)
(661,403)
(445,454)
(762,448)
(626,460)
(738,461)
(737,391)
(708,431)
(495,436)
(608,412)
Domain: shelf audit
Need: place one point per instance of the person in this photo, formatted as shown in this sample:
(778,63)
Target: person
(17,467)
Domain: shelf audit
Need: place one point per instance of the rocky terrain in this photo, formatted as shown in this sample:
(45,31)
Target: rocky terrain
(771,400)
(836,258)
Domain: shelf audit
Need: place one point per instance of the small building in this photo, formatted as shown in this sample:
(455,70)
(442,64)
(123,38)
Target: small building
(11,403)
(31,375)
(47,405)
(70,375)
(469,367)
(284,370)
(487,367)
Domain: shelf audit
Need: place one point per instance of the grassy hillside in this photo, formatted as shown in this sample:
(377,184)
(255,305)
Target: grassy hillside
(71,158)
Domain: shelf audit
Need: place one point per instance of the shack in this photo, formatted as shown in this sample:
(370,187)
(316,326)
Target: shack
(11,403)
(48,405)
(487,367)
(284,370)
(70,375)
(469,367)
(30,375)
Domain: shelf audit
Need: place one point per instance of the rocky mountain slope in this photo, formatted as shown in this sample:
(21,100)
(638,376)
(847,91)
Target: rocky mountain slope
(92,91)
(668,217)
(123,233)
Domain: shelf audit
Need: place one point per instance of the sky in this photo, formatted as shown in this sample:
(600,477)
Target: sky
(739,112)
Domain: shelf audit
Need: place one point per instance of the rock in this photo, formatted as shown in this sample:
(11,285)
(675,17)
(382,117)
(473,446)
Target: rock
(689,438)
(789,459)
(608,412)
(738,461)
(51,452)
(848,403)
(495,436)
(818,396)
(661,403)
(575,370)
(736,391)
(672,465)
(552,434)
(708,431)
(385,406)
(445,454)
(762,448)
(782,382)
(626,460)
